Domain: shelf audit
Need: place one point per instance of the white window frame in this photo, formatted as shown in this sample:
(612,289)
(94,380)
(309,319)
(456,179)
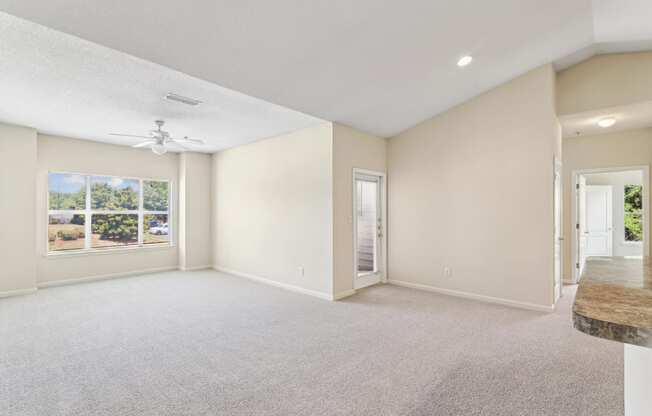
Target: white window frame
(88,212)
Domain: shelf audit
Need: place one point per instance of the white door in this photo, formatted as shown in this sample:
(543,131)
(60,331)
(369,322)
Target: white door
(368,229)
(558,239)
(598,229)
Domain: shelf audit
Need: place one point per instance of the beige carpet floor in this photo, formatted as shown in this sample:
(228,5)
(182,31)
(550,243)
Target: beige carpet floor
(205,343)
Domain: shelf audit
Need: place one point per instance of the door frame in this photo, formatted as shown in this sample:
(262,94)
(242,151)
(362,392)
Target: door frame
(575,214)
(558,180)
(383,215)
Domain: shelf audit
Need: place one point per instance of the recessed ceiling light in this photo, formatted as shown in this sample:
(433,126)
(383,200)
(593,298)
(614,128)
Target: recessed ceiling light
(606,122)
(181,99)
(464,61)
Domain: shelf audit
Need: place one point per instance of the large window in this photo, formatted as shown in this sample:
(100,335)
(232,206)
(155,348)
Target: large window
(633,213)
(89,212)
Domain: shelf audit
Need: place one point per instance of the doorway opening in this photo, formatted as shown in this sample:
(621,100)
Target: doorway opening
(368,228)
(610,207)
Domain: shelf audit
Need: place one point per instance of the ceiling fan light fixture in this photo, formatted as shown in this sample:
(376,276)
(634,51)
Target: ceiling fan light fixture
(159,149)
(464,61)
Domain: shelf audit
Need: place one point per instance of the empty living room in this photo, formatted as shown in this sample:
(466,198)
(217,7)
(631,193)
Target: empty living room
(277,208)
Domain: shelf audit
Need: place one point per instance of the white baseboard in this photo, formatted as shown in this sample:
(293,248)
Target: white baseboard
(274,283)
(104,277)
(343,294)
(473,296)
(195,268)
(568,282)
(17,292)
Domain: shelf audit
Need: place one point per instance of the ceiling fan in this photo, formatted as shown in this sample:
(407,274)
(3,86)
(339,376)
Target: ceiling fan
(159,140)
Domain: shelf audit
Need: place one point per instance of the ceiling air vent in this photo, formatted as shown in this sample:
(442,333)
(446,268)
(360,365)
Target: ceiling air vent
(181,99)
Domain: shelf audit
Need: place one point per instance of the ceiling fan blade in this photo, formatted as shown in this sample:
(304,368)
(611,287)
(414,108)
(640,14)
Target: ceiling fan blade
(130,135)
(188,140)
(145,143)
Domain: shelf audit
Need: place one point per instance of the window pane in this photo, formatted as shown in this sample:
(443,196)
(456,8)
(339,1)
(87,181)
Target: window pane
(66,232)
(156,229)
(155,196)
(633,213)
(633,227)
(366,225)
(67,191)
(112,193)
(111,230)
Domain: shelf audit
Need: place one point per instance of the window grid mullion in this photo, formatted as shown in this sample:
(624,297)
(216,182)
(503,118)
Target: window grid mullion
(141,216)
(88,229)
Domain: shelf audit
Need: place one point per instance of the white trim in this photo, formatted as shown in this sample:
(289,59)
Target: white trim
(574,213)
(195,268)
(473,296)
(66,282)
(383,208)
(558,179)
(274,283)
(109,250)
(18,292)
(344,294)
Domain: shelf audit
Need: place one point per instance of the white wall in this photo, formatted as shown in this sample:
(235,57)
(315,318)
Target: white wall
(620,149)
(195,240)
(17,208)
(472,189)
(351,149)
(617,181)
(69,155)
(273,211)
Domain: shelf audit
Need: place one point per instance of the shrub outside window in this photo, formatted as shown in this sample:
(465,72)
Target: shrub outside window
(95,212)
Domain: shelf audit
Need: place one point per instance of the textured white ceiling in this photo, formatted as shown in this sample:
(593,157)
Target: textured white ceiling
(63,85)
(380,66)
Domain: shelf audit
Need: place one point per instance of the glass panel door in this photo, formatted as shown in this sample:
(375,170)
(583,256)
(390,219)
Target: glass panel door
(367,223)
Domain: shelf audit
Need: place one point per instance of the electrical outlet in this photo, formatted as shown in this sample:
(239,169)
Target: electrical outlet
(448,272)
(301,271)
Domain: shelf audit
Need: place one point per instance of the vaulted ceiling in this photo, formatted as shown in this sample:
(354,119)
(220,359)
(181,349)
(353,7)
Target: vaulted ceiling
(379,66)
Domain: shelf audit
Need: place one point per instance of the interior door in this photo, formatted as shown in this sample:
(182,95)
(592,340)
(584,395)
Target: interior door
(558,239)
(368,230)
(599,221)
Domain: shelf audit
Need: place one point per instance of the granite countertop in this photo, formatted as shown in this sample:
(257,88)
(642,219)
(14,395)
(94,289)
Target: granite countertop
(614,300)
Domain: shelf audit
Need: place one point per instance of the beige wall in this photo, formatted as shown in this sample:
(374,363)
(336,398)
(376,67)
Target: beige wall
(69,155)
(17,208)
(605,81)
(621,149)
(472,189)
(273,211)
(195,239)
(351,149)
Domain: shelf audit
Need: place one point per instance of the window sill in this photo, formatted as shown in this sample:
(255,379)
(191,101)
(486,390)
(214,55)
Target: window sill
(102,252)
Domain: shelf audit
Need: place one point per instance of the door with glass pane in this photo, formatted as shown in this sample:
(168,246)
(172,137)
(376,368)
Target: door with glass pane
(368,229)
